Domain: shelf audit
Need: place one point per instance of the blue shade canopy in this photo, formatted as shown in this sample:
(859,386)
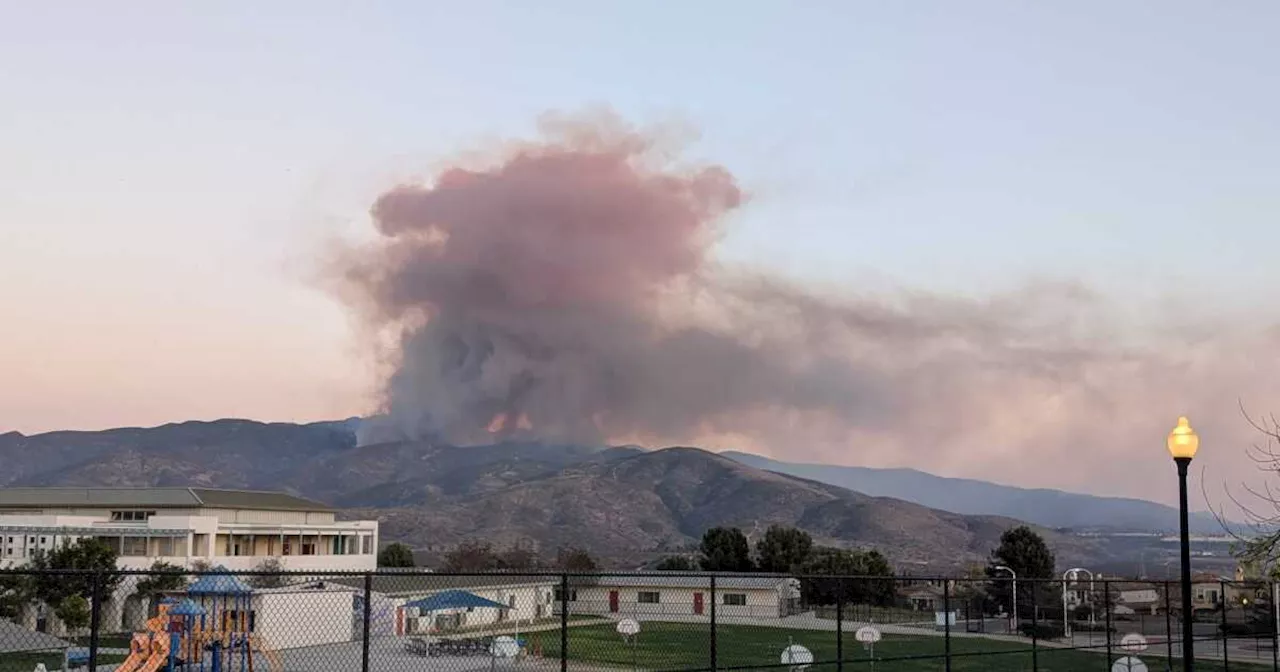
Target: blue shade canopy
(186,608)
(219,582)
(453,599)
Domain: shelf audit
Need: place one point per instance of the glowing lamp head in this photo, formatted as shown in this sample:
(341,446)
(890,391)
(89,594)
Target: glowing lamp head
(1183,440)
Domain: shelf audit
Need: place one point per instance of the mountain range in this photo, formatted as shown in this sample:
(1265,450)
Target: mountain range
(1050,508)
(621,503)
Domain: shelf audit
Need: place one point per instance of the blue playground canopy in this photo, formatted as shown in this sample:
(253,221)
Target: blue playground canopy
(186,608)
(219,582)
(453,599)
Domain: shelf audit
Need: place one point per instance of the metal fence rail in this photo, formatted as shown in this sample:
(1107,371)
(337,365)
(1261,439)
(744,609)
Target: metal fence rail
(141,621)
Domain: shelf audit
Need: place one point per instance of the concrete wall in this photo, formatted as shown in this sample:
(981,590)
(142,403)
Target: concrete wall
(288,620)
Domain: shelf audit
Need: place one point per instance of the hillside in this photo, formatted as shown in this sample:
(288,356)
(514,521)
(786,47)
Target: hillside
(1049,508)
(665,499)
(618,502)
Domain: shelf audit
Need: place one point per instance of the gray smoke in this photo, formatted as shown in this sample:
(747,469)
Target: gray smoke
(565,292)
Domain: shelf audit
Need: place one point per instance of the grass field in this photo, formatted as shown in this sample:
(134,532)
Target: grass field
(25,662)
(683,646)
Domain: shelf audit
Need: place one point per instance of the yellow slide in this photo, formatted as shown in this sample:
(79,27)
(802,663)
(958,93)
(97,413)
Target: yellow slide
(149,651)
(273,659)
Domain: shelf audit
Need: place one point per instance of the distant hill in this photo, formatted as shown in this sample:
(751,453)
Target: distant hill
(641,502)
(621,503)
(1049,508)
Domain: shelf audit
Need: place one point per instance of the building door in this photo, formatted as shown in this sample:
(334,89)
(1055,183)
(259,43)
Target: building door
(697,604)
(613,601)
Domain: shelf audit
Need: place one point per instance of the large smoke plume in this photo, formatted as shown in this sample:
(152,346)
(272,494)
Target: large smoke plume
(566,290)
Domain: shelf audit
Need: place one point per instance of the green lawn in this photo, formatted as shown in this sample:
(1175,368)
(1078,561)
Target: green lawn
(25,662)
(680,646)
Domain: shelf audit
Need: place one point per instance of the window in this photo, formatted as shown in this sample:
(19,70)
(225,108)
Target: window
(735,599)
(647,597)
(288,548)
(573,595)
(133,546)
(308,549)
(131,516)
(44,540)
(366,545)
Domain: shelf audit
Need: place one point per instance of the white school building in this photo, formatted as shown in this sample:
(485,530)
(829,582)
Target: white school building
(236,529)
(233,529)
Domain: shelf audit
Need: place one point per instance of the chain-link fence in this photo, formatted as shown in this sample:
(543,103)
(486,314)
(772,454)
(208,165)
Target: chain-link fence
(138,621)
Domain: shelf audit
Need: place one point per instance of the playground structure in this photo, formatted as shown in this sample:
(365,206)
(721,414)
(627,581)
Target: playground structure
(212,635)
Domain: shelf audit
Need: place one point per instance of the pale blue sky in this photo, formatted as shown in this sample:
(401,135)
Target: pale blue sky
(168,168)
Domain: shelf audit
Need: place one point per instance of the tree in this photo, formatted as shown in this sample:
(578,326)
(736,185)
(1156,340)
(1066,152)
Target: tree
(273,576)
(396,555)
(725,550)
(480,556)
(864,577)
(89,557)
(164,578)
(472,556)
(519,557)
(572,559)
(782,549)
(16,592)
(971,589)
(677,563)
(1024,551)
(73,611)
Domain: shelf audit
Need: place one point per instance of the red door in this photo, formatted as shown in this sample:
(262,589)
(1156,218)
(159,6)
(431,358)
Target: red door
(697,604)
(613,601)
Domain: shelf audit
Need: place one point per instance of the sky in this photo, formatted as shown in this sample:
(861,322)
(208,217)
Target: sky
(171,173)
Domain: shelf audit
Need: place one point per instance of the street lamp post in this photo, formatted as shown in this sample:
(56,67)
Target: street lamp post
(1014,612)
(1182,443)
(1073,574)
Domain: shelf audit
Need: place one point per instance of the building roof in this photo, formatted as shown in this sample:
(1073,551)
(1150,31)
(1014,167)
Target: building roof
(15,639)
(660,580)
(219,582)
(415,584)
(421,584)
(155,498)
(454,599)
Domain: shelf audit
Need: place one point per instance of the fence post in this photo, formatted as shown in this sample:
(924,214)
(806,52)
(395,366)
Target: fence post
(714,657)
(1035,627)
(95,617)
(1275,628)
(1222,596)
(839,624)
(1168,624)
(564,622)
(1106,604)
(367,621)
(946,622)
